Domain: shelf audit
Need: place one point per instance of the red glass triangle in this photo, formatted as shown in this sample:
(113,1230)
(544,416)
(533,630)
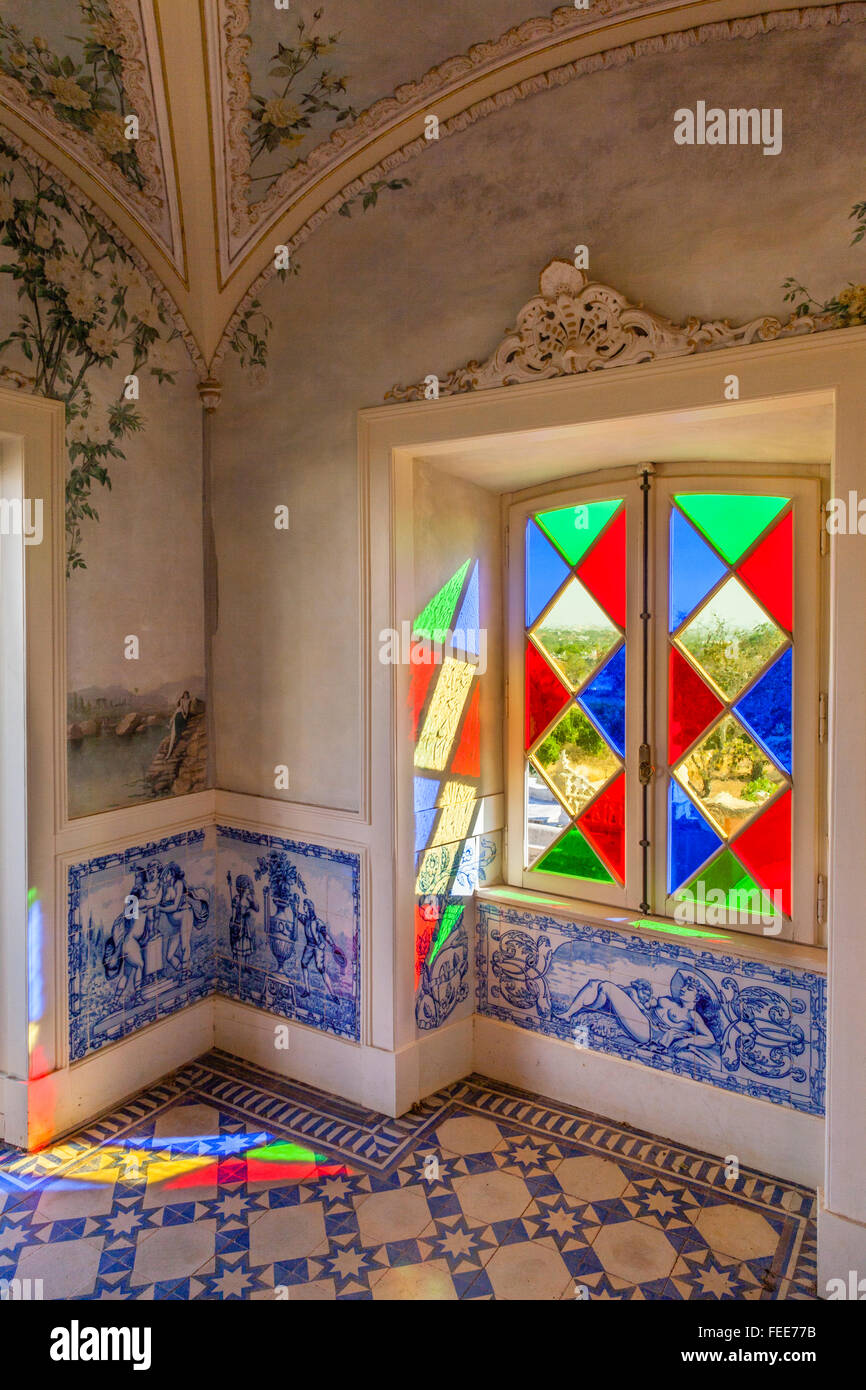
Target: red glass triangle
(769,571)
(603,570)
(603,824)
(545,694)
(419,683)
(765,849)
(691,705)
(467,759)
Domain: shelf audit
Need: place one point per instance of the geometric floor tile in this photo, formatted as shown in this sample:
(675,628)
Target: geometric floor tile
(226,1182)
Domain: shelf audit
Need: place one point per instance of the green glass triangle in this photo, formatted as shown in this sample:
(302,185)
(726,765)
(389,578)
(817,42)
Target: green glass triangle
(450,917)
(731,521)
(574,856)
(573,529)
(435,621)
(742,893)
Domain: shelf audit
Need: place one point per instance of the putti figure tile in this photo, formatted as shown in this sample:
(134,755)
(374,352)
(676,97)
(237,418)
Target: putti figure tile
(745,1026)
(290,922)
(140,937)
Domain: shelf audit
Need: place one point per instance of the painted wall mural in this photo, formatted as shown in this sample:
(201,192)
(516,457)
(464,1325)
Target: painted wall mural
(288,933)
(742,1025)
(271,922)
(141,937)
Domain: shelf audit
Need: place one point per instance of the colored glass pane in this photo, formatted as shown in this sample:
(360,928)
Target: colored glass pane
(725,884)
(604,699)
(575,760)
(467,759)
(731,638)
(603,824)
(691,705)
(546,817)
(730,521)
(576,633)
(729,776)
(573,529)
(603,570)
(765,849)
(691,839)
(545,694)
(435,621)
(546,571)
(695,569)
(766,710)
(769,571)
(574,857)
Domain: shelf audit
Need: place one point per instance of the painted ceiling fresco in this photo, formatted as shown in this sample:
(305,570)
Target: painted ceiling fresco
(269,116)
(75,72)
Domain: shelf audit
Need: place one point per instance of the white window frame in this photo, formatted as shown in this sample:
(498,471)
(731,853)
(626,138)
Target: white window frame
(804,484)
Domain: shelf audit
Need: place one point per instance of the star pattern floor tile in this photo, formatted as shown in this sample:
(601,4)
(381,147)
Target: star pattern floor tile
(225,1182)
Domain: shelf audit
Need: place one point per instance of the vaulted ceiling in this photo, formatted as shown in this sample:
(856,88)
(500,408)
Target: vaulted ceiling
(257,119)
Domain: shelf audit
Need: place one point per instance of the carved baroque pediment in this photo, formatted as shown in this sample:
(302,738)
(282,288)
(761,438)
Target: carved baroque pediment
(573,325)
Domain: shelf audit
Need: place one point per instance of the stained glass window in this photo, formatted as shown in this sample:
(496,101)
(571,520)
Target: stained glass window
(575,707)
(731,659)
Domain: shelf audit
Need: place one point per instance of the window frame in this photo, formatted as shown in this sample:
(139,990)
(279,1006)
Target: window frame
(805,484)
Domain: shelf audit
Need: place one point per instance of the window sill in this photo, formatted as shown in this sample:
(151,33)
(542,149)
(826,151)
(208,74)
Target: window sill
(717,939)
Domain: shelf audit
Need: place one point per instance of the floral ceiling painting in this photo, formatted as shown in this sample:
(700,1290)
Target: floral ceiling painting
(303,85)
(76,72)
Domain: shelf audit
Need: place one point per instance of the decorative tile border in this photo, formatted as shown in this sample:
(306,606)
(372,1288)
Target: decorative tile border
(742,1025)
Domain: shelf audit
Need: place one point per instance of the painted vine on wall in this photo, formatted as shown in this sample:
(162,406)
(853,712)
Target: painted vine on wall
(84,89)
(304,88)
(86,311)
(848,306)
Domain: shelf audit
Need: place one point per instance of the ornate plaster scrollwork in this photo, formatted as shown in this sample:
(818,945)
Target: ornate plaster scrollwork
(573,326)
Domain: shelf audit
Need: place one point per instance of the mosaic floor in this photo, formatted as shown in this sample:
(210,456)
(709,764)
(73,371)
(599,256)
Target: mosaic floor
(225,1182)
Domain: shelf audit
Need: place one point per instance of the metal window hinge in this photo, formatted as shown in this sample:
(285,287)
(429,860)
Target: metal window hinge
(821,901)
(645,769)
(822,717)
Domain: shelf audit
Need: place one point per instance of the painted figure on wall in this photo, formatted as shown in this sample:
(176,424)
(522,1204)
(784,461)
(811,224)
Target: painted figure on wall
(717,1028)
(141,949)
(244,905)
(317,939)
(178,721)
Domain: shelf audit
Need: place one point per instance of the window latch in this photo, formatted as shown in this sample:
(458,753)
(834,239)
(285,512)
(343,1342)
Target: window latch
(645,770)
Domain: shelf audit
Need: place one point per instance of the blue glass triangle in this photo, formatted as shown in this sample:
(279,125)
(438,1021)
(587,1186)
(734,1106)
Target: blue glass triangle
(604,700)
(691,839)
(467,622)
(424,822)
(426,792)
(694,569)
(545,571)
(766,711)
